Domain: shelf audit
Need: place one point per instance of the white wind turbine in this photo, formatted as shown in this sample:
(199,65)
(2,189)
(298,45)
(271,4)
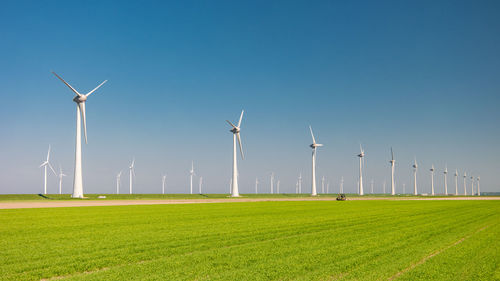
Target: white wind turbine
(328,187)
(236,135)
(199,184)
(314,145)
(415,168)
(191,174)
(393,191)
(323,184)
(163,181)
(131,171)
(61,175)
(361,156)
(256,185)
(465,183)
(46,164)
(80,100)
(272,182)
(384,186)
(371,186)
(446,180)
(472,185)
(478,186)
(300,182)
(278,187)
(432,179)
(297,187)
(118,182)
(342,184)
(456,182)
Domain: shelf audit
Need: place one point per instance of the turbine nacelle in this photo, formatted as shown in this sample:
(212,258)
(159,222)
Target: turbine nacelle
(314,145)
(80,99)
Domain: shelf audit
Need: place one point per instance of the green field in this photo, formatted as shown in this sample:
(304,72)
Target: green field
(300,240)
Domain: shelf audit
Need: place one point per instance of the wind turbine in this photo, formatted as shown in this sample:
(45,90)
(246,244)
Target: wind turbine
(199,184)
(256,185)
(342,184)
(328,187)
(272,182)
(384,186)
(456,182)
(278,187)
(236,135)
(323,184)
(432,179)
(80,100)
(465,183)
(371,186)
(472,185)
(446,180)
(61,175)
(361,155)
(131,171)
(393,191)
(478,186)
(404,188)
(191,174)
(297,187)
(44,165)
(314,145)
(163,181)
(300,182)
(118,181)
(415,168)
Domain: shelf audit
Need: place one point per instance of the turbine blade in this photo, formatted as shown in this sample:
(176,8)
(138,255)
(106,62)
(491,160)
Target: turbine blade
(96,88)
(312,135)
(53,171)
(43,164)
(241,117)
(48,154)
(72,89)
(392,154)
(82,112)
(231,124)
(239,142)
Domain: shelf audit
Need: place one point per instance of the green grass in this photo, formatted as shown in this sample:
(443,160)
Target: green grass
(299,240)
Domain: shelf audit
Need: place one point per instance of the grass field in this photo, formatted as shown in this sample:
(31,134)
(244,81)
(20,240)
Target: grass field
(301,240)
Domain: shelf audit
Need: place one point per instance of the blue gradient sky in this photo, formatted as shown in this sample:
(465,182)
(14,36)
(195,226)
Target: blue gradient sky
(421,76)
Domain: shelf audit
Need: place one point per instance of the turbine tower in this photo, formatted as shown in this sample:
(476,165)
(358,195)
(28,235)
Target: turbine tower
(456,182)
(61,175)
(272,182)
(432,179)
(465,183)
(191,174)
(371,183)
(478,186)
(342,184)
(300,183)
(314,145)
(415,168)
(80,100)
(163,180)
(384,186)
(256,185)
(44,165)
(472,185)
(323,184)
(446,180)
(131,171)
(118,181)
(199,184)
(328,187)
(361,155)
(393,191)
(236,135)
(278,187)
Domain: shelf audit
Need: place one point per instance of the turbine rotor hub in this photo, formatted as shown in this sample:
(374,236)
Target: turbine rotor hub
(80,99)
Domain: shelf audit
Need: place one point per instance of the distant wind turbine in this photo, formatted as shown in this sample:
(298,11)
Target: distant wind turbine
(393,191)
(472,185)
(342,184)
(131,171)
(300,182)
(478,186)
(415,168)
(361,156)
(272,182)
(371,183)
(236,135)
(46,164)
(191,174)
(199,184)
(465,183)
(432,179)
(314,145)
(328,187)
(163,181)
(384,186)
(278,187)
(80,100)
(323,184)
(456,182)
(118,181)
(256,185)
(446,180)
(61,175)
(404,188)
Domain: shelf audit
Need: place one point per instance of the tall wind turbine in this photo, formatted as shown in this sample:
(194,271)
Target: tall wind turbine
(384,186)
(199,184)
(80,100)
(393,191)
(415,168)
(323,184)
(44,165)
(131,171)
(314,145)
(256,185)
(163,181)
(328,187)
(465,183)
(478,186)
(61,175)
(456,182)
(432,179)
(236,135)
(118,181)
(297,187)
(272,182)
(191,174)
(371,186)
(278,187)
(300,182)
(361,155)
(472,185)
(342,184)
(446,180)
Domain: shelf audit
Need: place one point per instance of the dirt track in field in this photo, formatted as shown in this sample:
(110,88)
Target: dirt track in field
(88,203)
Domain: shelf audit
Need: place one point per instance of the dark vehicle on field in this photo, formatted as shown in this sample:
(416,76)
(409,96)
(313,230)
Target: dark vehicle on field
(341,197)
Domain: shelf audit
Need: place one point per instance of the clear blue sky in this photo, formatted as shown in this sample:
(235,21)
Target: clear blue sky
(421,76)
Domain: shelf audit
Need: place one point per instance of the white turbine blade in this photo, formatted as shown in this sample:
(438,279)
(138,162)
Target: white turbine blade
(231,124)
(133,162)
(239,142)
(319,144)
(43,164)
(312,135)
(241,117)
(72,89)
(84,118)
(53,171)
(96,88)
(361,148)
(48,154)
(392,154)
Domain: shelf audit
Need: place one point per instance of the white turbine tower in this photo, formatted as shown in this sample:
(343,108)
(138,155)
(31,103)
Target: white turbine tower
(323,184)
(415,168)
(256,185)
(163,181)
(61,175)
(384,186)
(118,181)
(314,145)
(199,184)
(131,171)
(191,174)
(236,135)
(478,186)
(445,180)
(80,100)
(361,156)
(342,184)
(44,165)
(456,182)
(300,182)
(272,182)
(371,183)
(472,185)
(278,187)
(297,187)
(432,179)
(393,191)
(465,183)
(328,187)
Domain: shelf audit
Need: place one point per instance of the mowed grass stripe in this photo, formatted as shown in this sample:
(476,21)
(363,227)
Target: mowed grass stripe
(167,235)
